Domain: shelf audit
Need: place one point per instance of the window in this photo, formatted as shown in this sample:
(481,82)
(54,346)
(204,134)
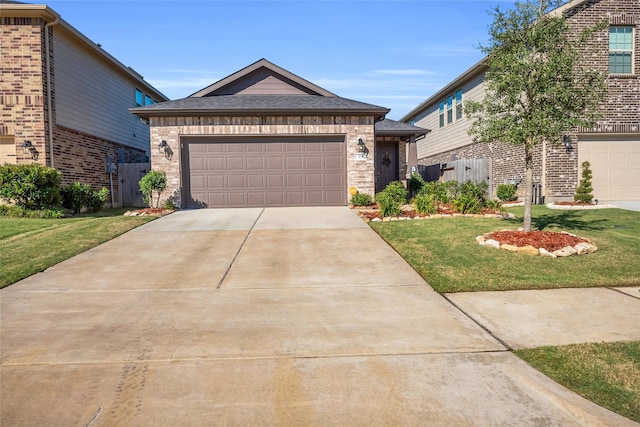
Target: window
(459,105)
(441,108)
(148,100)
(620,50)
(139,98)
(450,109)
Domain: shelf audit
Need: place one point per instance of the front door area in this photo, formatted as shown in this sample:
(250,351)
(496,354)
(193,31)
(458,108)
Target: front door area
(387,167)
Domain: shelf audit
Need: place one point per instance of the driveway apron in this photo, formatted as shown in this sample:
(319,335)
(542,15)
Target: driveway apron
(277,316)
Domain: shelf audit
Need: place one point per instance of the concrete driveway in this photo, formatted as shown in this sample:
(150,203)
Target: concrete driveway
(278,316)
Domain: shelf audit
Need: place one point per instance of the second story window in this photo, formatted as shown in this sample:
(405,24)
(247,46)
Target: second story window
(441,113)
(148,100)
(139,98)
(450,109)
(620,50)
(459,105)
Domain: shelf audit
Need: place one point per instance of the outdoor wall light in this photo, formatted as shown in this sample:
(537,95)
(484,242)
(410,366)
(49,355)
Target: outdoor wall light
(28,148)
(361,147)
(566,140)
(163,148)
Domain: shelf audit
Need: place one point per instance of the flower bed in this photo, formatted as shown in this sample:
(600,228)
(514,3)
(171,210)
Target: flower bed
(544,243)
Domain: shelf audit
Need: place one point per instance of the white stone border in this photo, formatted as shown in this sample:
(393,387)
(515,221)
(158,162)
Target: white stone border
(552,205)
(582,248)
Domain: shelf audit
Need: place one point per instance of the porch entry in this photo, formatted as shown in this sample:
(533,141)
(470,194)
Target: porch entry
(387,166)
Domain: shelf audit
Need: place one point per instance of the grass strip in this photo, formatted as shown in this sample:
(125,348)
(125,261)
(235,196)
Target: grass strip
(444,251)
(607,374)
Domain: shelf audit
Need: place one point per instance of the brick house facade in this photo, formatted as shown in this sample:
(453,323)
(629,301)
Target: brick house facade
(612,148)
(266,137)
(49,71)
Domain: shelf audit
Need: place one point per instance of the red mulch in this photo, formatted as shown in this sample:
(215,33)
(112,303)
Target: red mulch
(538,239)
(573,204)
(152,212)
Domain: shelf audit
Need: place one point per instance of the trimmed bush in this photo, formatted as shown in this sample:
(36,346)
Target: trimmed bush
(476,190)
(30,186)
(391,199)
(506,192)
(495,205)
(76,196)
(584,191)
(361,199)
(153,182)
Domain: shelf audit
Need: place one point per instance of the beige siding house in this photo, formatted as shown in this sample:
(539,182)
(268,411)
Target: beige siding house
(65,100)
(264,136)
(612,148)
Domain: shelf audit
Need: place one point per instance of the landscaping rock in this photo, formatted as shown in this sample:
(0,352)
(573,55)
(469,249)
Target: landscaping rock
(528,250)
(480,240)
(564,252)
(509,248)
(492,243)
(544,252)
(585,248)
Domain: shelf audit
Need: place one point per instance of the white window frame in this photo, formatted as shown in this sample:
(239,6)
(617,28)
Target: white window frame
(623,51)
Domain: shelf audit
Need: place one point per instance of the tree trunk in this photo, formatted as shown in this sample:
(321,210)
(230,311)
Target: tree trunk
(528,182)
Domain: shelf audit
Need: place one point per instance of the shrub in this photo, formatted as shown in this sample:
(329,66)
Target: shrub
(153,182)
(415,184)
(169,204)
(426,203)
(467,204)
(30,186)
(20,212)
(361,199)
(76,196)
(477,190)
(391,199)
(506,192)
(584,191)
(495,205)
(443,192)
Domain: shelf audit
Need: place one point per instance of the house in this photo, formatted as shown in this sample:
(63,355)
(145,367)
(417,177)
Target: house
(264,136)
(64,100)
(612,148)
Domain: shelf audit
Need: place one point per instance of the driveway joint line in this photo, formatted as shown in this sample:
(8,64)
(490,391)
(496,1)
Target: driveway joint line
(623,293)
(224,276)
(487,330)
(249,358)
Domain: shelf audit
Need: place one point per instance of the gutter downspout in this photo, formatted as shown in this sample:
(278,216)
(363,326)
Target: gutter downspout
(47,42)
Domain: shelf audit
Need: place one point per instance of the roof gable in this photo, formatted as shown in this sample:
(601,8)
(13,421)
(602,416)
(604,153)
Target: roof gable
(262,78)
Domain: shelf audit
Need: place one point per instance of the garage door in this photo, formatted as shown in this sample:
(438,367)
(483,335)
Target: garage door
(615,164)
(255,172)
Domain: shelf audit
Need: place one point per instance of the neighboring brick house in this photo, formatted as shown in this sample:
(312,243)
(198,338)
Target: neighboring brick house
(266,137)
(64,100)
(612,148)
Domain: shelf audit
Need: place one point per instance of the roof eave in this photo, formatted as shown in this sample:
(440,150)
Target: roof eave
(479,67)
(377,113)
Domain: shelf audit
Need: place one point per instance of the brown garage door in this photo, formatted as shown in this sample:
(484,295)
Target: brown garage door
(285,171)
(615,164)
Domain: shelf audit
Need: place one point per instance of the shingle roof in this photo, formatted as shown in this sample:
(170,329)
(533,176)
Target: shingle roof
(260,104)
(392,127)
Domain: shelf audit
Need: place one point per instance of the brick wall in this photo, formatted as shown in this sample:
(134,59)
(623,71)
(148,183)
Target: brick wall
(81,157)
(22,97)
(359,172)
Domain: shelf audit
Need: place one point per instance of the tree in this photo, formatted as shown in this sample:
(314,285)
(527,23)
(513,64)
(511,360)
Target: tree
(538,85)
(584,191)
(154,181)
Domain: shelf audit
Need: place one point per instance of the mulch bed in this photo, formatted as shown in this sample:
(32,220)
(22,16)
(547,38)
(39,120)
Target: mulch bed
(549,240)
(149,212)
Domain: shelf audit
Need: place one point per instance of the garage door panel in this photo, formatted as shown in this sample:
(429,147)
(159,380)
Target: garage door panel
(266,172)
(255,163)
(615,165)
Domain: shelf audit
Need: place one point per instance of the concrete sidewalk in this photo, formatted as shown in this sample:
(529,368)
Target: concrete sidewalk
(298,316)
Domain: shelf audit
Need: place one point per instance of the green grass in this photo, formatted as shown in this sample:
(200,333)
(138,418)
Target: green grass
(608,374)
(445,253)
(29,246)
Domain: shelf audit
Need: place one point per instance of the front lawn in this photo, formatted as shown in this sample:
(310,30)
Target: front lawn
(28,245)
(444,251)
(608,374)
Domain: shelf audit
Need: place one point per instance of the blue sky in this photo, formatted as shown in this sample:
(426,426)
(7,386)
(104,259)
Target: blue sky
(393,53)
